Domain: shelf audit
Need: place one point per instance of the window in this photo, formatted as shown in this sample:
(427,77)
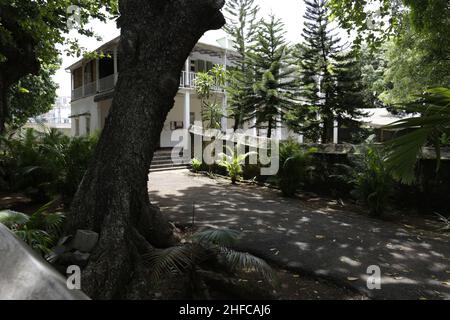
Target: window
(77,127)
(192,117)
(88,125)
(77,77)
(89,72)
(201,67)
(175,125)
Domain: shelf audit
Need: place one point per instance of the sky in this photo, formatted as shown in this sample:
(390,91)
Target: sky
(289,11)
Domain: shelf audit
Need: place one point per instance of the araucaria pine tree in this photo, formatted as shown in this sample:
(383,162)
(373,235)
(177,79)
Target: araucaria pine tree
(328,81)
(241,27)
(349,93)
(274,88)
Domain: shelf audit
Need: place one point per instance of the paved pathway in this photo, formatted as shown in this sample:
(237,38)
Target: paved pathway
(336,245)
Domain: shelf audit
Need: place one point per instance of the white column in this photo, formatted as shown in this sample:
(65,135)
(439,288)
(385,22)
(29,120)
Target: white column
(187,73)
(115,66)
(224,120)
(97,74)
(336,132)
(187,122)
(187,110)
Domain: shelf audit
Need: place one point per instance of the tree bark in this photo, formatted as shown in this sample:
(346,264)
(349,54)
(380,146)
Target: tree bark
(156,38)
(269,129)
(328,125)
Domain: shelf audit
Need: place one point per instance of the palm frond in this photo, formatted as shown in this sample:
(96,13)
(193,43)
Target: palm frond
(12,218)
(220,237)
(403,153)
(37,239)
(243,261)
(444,220)
(175,259)
(434,120)
(53,222)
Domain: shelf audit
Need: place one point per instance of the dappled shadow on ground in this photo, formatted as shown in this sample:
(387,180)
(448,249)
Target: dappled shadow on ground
(335,245)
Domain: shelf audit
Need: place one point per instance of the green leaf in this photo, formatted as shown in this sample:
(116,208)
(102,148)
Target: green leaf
(221,237)
(243,261)
(10,218)
(174,259)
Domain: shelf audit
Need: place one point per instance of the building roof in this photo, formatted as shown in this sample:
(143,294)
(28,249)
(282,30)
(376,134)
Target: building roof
(200,46)
(380,117)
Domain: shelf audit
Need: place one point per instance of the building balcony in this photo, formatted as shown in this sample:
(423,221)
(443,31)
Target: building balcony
(187,81)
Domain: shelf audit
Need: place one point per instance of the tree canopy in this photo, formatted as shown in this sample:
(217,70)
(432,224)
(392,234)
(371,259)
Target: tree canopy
(377,20)
(30,31)
(33,95)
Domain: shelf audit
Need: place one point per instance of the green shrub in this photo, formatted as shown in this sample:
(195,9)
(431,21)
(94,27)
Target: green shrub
(372,180)
(44,165)
(294,165)
(196,165)
(40,230)
(252,172)
(233,162)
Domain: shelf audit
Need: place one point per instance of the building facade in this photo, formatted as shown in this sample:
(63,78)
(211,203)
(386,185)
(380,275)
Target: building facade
(93,84)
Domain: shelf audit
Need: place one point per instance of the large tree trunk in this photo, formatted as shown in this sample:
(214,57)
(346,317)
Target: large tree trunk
(327,130)
(269,129)
(156,38)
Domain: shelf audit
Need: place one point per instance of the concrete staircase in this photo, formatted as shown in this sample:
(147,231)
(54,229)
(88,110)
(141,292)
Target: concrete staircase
(162,161)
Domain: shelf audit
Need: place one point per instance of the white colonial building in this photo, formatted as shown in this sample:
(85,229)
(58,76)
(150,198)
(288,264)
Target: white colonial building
(93,82)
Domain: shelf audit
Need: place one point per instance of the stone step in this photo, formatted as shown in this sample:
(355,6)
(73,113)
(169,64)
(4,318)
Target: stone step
(168,168)
(167,152)
(168,164)
(162,160)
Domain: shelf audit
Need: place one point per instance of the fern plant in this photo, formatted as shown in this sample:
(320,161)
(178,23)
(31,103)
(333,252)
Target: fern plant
(372,180)
(44,165)
(39,230)
(233,161)
(213,246)
(294,164)
(196,165)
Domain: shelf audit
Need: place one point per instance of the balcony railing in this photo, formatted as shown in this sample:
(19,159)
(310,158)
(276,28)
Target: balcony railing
(77,93)
(106,83)
(187,81)
(90,88)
